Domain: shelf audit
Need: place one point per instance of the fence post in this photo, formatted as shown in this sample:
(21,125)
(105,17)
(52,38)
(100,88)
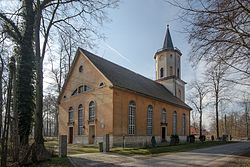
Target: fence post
(62,145)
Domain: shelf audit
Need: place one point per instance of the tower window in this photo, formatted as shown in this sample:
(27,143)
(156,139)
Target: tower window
(178,72)
(171,70)
(161,72)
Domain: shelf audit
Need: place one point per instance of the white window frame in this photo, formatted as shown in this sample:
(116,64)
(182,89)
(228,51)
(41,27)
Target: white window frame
(71,115)
(163,116)
(174,122)
(80,119)
(184,122)
(150,120)
(131,118)
(92,113)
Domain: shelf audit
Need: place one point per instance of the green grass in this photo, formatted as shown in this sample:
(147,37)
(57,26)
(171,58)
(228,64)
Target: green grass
(166,149)
(72,148)
(54,162)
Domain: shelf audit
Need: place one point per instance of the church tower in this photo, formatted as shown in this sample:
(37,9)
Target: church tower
(168,67)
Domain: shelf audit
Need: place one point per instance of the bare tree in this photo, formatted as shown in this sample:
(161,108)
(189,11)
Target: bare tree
(217,87)
(4,141)
(219,31)
(42,18)
(196,98)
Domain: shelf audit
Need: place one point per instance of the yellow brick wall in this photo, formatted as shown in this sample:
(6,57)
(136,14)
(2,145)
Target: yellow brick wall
(101,96)
(121,101)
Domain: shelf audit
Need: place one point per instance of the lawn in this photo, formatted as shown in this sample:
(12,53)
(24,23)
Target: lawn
(80,149)
(72,148)
(167,148)
(54,162)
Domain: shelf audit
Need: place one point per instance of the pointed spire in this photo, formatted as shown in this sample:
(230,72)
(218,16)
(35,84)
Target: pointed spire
(168,44)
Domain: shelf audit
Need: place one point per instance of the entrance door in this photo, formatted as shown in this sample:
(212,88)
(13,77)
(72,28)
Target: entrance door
(91,134)
(163,133)
(70,135)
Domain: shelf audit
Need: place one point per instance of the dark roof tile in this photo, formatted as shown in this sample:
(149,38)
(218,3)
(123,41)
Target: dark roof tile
(127,79)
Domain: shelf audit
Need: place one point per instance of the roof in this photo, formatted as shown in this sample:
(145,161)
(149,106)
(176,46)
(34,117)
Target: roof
(168,44)
(127,79)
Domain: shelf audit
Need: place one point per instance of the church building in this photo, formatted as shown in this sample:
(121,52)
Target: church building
(100,97)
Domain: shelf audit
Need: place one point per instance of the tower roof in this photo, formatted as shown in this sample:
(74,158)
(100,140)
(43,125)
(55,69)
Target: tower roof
(168,44)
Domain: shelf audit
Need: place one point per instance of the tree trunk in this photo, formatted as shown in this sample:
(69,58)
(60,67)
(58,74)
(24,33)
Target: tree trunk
(15,121)
(217,115)
(1,96)
(25,88)
(4,142)
(200,116)
(39,152)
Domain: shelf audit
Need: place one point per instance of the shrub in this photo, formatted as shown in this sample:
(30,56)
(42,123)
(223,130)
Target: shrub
(174,139)
(191,138)
(202,138)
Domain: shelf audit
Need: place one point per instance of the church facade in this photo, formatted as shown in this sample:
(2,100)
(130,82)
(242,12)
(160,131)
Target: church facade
(100,97)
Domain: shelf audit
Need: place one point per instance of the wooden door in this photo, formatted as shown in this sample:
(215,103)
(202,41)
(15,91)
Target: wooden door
(91,134)
(70,135)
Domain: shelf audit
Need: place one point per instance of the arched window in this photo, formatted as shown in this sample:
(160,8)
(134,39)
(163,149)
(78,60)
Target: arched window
(161,72)
(174,123)
(131,118)
(150,120)
(178,72)
(91,111)
(163,116)
(183,124)
(71,115)
(80,119)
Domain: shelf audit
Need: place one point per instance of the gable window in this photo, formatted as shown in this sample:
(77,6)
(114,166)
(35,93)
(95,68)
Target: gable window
(80,120)
(83,88)
(171,70)
(71,115)
(131,118)
(80,89)
(74,92)
(174,123)
(91,111)
(183,124)
(101,84)
(161,72)
(150,120)
(86,88)
(80,68)
(163,116)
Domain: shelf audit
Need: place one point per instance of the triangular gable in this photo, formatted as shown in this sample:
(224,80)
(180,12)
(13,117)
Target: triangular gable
(78,53)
